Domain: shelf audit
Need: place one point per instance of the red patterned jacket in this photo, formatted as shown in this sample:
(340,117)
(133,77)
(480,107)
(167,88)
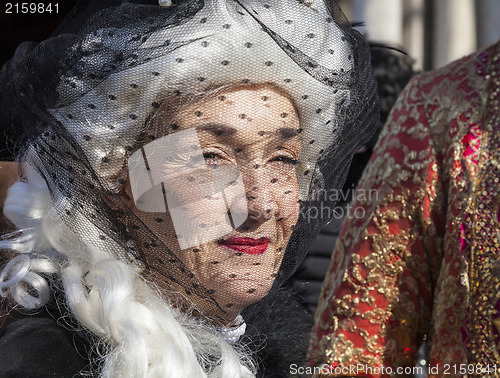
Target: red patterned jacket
(417,257)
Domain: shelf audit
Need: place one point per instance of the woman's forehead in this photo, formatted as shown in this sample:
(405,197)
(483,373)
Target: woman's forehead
(251,98)
(243,109)
(247,115)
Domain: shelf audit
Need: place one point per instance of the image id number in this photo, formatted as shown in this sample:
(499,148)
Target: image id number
(38,8)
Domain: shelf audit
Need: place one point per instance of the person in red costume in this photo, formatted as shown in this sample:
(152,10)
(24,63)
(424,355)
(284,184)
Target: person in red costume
(423,263)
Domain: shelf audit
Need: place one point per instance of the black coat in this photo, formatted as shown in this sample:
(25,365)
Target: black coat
(37,346)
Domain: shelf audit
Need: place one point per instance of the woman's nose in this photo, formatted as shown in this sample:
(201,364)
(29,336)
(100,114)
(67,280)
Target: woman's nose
(261,203)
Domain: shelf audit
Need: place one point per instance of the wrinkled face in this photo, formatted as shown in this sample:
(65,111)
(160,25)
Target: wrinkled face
(229,195)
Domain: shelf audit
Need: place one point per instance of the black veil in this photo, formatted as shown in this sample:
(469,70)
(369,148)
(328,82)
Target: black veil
(82,101)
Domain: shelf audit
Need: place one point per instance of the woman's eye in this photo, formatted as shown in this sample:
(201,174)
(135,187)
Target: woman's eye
(213,158)
(284,159)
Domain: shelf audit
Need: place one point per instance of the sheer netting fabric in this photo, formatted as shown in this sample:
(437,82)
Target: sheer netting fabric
(201,142)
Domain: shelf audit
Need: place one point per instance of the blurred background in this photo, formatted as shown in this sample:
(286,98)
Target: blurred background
(433,32)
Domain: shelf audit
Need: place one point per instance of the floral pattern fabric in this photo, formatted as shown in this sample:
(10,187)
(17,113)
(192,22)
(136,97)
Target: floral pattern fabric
(422,264)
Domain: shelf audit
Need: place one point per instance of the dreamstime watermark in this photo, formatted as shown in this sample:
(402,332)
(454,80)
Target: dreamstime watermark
(330,370)
(354,370)
(362,370)
(322,205)
(332,196)
(336,195)
(326,212)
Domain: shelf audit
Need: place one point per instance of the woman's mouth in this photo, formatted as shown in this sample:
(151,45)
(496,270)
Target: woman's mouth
(249,246)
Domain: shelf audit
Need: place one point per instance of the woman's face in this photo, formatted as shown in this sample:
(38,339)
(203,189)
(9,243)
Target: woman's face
(250,139)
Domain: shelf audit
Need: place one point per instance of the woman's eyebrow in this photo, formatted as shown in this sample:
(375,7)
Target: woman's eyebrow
(218,129)
(287,132)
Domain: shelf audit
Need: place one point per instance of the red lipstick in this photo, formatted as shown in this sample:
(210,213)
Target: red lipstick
(249,246)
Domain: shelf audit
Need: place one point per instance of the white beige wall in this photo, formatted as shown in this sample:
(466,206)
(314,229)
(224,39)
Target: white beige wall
(434,32)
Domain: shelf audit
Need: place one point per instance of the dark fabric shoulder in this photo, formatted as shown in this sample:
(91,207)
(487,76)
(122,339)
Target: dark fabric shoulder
(278,332)
(38,347)
(308,278)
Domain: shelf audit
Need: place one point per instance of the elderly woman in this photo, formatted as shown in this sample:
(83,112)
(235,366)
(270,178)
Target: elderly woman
(177,163)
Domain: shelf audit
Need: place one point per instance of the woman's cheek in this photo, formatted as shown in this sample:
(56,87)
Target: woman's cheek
(289,205)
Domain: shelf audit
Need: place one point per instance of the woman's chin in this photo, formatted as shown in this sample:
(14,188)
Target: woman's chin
(240,293)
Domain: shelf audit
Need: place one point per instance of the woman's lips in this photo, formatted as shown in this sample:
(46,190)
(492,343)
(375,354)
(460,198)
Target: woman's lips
(249,246)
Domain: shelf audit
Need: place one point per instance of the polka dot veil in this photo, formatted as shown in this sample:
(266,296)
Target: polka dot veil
(195,141)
